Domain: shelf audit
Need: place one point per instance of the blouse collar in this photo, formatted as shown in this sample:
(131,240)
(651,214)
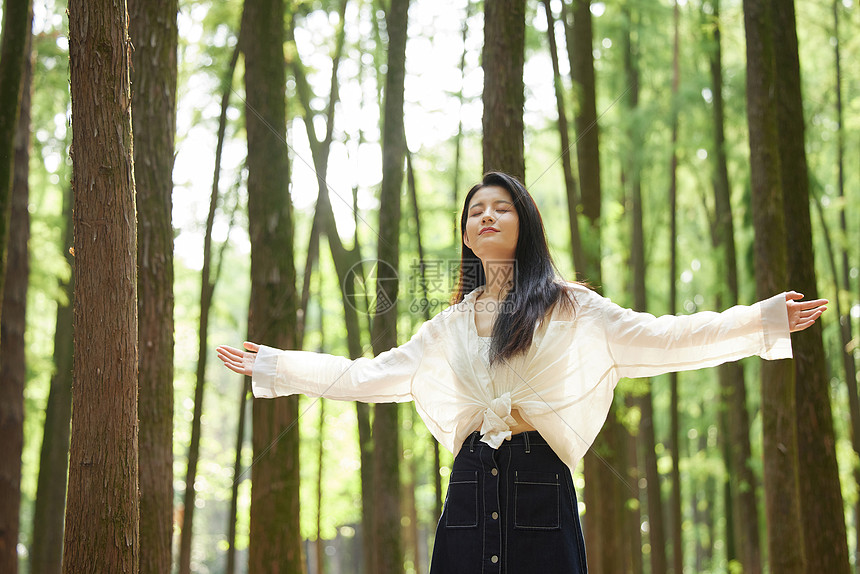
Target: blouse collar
(473,294)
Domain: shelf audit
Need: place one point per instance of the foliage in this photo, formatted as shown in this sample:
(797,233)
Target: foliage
(208,34)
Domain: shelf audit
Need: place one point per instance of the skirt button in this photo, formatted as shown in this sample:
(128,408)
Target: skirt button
(494,472)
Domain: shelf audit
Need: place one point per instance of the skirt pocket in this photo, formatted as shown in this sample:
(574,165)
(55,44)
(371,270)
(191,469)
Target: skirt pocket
(461,505)
(536,500)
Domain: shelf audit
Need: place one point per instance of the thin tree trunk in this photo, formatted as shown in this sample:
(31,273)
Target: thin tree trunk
(386,454)
(275,540)
(633,523)
(656,531)
(504,95)
(563,130)
(458,144)
(318,546)
(320,555)
(606,490)
(103,509)
(238,477)
(46,553)
(743,483)
(153,31)
(413,196)
(779,412)
(365,447)
(674,432)
(849,367)
(13,360)
(579,36)
(15,31)
(207,290)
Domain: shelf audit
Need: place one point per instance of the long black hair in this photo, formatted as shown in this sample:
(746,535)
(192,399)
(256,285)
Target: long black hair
(535,286)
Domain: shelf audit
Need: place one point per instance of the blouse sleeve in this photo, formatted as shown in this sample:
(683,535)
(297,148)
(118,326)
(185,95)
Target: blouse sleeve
(385,378)
(642,345)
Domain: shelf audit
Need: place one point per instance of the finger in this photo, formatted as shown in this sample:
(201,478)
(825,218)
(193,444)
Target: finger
(812,304)
(227,350)
(238,361)
(802,326)
(793,295)
(231,354)
(253,347)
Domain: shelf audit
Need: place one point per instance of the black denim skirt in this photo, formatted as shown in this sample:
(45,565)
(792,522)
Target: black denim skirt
(510,510)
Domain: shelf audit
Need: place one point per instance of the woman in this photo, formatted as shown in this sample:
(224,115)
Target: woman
(517,377)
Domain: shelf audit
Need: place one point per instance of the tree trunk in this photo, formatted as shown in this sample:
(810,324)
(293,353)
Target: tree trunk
(504,95)
(656,531)
(207,290)
(275,540)
(458,144)
(238,477)
(103,507)
(647,439)
(779,413)
(153,31)
(15,31)
(605,517)
(437,477)
(386,453)
(13,371)
(580,53)
(46,553)
(849,366)
(674,433)
(742,481)
(563,130)
(822,508)
(320,555)
(365,447)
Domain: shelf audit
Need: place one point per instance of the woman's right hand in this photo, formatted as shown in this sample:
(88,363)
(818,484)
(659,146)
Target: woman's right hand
(237,360)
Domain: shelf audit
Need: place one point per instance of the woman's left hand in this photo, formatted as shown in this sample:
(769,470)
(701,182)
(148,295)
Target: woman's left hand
(802,314)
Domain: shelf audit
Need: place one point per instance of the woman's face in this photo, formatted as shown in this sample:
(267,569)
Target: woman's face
(492,224)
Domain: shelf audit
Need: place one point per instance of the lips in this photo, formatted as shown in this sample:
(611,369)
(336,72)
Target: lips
(488,229)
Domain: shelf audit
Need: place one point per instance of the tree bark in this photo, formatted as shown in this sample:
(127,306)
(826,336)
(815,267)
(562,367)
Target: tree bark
(103,507)
(674,432)
(153,31)
(46,553)
(742,482)
(386,453)
(563,130)
(275,540)
(13,360)
(779,412)
(504,95)
(580,53)
(14,33)
(821,504)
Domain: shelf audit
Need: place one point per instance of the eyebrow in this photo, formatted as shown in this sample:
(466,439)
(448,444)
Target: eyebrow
(481,203)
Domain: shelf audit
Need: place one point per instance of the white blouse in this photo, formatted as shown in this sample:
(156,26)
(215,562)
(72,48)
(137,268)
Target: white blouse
(562,386)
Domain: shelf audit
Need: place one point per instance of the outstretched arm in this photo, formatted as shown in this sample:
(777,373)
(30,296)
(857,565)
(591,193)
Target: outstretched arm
(387,377)
(802,314)
(642,345)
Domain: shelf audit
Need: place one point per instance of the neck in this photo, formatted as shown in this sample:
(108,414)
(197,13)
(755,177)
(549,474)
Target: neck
(500,278)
